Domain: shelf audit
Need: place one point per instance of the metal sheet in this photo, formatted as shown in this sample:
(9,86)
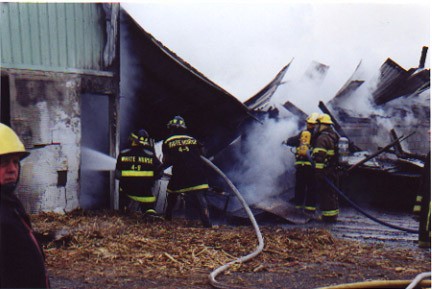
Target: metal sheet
(52,35)
(262,97)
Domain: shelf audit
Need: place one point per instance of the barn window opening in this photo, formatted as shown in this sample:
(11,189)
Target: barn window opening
(61,178)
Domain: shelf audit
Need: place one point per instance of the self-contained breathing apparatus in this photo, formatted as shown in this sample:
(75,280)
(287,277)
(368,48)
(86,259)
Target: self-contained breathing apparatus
(305,144)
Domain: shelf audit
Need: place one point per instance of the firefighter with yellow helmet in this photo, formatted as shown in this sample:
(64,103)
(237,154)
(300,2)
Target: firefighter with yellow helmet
(304,195)
(325,161)
(22,262)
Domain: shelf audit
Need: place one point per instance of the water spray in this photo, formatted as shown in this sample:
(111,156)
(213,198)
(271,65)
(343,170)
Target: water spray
(96,161)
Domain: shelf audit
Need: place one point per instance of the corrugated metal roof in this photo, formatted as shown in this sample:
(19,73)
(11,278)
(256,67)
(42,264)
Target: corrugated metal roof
(52,35)
(261,98)
(395,82)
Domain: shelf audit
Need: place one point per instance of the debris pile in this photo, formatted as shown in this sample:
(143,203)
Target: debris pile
(109,249)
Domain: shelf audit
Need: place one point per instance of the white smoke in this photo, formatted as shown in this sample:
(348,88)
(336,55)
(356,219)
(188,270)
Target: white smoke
(224,40)
(265,165)
(404,114)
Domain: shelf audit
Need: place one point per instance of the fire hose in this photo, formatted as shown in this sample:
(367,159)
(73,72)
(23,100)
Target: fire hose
(217,271)
(355,206)
(419,280)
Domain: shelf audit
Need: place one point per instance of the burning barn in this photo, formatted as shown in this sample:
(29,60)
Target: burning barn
(398,104)
(60,93)
(371,113)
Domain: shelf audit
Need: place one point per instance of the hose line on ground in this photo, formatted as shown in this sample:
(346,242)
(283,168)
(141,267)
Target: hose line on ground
(245,258)
(419,278)
(355,206)
(375,284)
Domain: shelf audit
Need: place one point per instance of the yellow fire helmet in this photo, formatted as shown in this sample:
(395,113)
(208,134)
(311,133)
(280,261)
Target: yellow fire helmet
(10,142)
(312,118)
(325,119)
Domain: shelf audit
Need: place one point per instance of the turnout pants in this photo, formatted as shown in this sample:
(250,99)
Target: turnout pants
(328,198)
(195,202)
(305,188)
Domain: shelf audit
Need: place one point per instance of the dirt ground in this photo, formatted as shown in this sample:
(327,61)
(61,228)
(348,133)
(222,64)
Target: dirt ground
(109,250)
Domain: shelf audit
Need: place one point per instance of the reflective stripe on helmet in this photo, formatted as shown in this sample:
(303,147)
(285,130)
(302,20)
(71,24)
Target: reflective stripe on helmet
(178,122)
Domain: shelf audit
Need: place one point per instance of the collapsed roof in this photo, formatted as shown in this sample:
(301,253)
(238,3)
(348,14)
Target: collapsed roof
(262,97)
(158,85)
(396,82)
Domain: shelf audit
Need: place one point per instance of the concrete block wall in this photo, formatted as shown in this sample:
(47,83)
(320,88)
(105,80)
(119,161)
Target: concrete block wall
(45,112)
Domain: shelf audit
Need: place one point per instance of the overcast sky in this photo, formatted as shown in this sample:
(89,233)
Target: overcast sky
(241,46)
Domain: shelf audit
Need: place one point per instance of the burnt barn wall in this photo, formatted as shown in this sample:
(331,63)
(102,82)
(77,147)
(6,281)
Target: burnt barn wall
(45,114)
(404,115)
(365,135)
(45,111)
(53,54)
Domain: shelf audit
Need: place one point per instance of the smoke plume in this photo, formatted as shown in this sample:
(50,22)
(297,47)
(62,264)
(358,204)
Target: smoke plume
(265,166)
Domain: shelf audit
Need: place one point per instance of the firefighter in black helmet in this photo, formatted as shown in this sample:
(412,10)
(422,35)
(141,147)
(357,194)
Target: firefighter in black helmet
(325,160)
(183,153)
(137,169)
(22,261)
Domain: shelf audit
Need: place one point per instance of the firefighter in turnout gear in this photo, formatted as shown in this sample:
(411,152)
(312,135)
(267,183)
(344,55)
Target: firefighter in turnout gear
(305,191)
(22,261)
(138,168)
(325,160)
(424,205)
(183,153)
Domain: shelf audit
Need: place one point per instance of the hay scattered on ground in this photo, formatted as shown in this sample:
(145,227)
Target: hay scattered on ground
(86,245)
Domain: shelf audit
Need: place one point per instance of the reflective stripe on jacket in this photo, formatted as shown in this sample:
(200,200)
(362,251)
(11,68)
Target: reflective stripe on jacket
(128,173)
(146,199)
(183,153)
(138,169)
(324,152)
